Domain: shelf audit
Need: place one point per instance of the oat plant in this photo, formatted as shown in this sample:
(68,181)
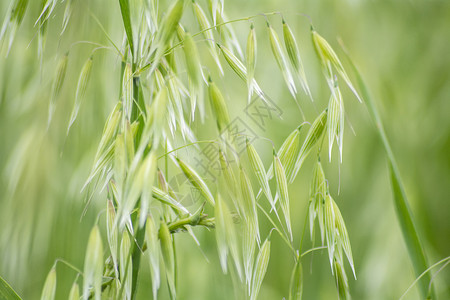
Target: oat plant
(172,60)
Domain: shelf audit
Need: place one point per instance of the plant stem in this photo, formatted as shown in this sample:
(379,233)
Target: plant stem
(402,208)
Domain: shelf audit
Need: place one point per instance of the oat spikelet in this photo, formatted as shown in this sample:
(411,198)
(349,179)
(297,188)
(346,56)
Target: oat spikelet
(168,256)
(327,56)
(48,292)
(281,60)
(313,135)
(251,51)
(93,265)
(335,121)
(294,57)
(207,33)
(262,261)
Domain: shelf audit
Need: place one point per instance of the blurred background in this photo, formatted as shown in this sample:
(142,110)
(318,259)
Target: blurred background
(402,50)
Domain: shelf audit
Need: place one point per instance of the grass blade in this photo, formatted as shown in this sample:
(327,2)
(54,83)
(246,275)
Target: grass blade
(7,292)
(126,18)
(404,214)
(405,218)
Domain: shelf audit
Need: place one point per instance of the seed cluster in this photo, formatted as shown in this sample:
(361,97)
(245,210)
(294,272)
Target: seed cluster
(167,89)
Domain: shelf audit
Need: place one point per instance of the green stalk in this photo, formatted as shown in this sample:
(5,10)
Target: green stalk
(402,208)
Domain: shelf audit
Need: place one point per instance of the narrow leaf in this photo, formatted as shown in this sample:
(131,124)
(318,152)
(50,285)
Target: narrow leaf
(7,292)
(126,18)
